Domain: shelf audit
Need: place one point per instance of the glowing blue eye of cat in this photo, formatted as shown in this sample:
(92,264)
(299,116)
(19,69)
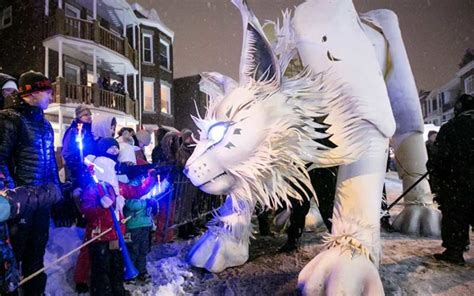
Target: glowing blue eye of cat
(217,132)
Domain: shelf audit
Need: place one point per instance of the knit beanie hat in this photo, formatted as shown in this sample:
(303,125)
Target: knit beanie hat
(144,137)
(10,84)
(6,81)
(104,144)
(31,82)
(82,110)
(430,133)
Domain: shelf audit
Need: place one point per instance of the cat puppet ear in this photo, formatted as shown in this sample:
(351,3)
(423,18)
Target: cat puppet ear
(258,61)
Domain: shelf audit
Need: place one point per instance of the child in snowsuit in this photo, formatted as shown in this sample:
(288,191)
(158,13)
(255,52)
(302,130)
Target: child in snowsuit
(139,226)
(106,261)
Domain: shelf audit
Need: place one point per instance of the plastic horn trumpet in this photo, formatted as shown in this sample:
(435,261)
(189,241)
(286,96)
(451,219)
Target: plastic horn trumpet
(130,271)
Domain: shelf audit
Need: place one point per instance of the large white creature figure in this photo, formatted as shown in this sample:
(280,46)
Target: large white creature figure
(259,134)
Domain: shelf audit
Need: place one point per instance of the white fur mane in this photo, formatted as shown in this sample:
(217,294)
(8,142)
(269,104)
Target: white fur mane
(278,165)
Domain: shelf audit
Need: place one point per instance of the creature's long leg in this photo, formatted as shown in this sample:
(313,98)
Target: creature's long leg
(349,267)
(358,198)
(226,242)
(419,217)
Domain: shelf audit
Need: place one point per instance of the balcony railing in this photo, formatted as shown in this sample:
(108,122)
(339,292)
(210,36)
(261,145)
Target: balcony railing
(78,28)
(75,93)
(90,30)
(111,40)
(112,100)
(65,92)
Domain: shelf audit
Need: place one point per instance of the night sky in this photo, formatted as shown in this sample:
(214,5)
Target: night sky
(208,33)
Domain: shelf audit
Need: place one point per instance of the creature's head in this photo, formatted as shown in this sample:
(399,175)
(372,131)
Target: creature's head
(258,134)
(328,41)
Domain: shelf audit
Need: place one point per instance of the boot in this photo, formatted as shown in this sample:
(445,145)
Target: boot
(385,225)
(82,288)
(290,246)
(451,256)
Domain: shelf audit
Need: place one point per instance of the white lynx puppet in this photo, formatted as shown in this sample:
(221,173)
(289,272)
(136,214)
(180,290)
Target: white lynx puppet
(258,135)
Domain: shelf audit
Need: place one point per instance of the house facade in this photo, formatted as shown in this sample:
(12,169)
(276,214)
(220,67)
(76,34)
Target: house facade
(189,100)
(113,56)
(438,105)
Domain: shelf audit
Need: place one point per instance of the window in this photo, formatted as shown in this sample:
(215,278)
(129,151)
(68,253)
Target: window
(434,102)
(469,85)
(148,94)
(424,109)
(6,17)
(165,98)
(90,78)
(72,11)
(165,54)
(147,48)
(72,73)
(441,98)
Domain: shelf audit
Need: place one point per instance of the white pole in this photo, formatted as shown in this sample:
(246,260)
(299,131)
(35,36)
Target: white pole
(139,97)
(46,7)
(60,121)
(134,37)
(46,61)
(60,55)
(125,80)
(94,66)
(60,4)
(135,87)
(123,24)
(94,10)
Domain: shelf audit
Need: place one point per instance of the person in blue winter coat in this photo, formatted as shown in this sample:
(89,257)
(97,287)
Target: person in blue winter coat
(28,164)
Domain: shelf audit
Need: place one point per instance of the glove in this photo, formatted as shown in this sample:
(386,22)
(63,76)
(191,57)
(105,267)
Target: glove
(106,202)
(119,204)
(152,173)
(2,181)
(76,193)
(151,207)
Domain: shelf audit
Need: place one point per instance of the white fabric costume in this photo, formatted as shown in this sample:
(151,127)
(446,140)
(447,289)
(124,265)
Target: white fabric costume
(258,135)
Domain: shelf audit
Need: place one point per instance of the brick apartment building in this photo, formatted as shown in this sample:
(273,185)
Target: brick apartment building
(188,96)
(81,43)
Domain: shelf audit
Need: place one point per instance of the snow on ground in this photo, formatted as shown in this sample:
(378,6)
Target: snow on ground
(60,276)
(407,268)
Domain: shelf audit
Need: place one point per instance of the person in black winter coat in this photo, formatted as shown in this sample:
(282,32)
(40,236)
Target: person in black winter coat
(453,171)
(8,89)
(324,184)
(66,213)
(28,162)
(73,156)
